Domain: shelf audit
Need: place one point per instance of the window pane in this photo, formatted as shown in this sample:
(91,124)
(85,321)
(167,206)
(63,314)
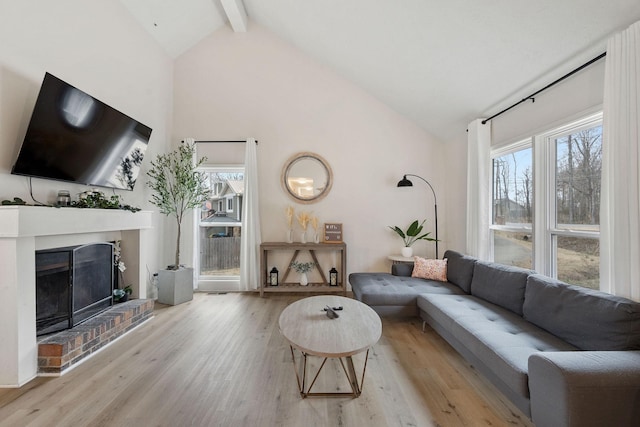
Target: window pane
(579,261)
(511,248)
(513,188)
(578,166)
(220,225)
(220,251)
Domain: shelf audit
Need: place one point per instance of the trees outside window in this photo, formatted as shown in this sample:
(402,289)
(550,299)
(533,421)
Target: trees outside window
(546,202)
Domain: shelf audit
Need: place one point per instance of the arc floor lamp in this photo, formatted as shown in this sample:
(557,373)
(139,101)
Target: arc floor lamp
(404,182)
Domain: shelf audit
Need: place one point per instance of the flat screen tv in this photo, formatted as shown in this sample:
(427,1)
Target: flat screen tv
(74,137)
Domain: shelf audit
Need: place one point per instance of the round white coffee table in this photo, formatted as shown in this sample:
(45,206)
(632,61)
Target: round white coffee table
(305,325)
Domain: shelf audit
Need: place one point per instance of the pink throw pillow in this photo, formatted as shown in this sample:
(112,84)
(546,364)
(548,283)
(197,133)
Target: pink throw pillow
(432,269)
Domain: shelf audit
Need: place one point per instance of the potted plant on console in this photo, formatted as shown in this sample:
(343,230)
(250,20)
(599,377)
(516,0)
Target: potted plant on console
(411,235)
(303,268)
(177,188)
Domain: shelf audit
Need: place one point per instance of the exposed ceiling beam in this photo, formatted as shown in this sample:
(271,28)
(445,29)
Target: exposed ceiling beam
(236,13)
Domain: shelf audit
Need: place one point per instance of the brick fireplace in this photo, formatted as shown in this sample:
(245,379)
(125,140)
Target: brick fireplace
(61,351)
(27,229)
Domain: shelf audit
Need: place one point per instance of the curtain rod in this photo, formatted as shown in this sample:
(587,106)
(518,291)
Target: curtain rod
(532,96)
(221,142)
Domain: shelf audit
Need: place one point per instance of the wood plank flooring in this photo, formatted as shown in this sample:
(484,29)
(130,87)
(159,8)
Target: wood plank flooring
(219,360)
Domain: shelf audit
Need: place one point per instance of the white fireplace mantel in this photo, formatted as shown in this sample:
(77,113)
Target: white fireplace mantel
(25,229)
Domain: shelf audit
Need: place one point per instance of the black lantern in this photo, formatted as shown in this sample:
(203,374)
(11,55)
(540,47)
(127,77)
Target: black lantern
(333,277)
(273,277)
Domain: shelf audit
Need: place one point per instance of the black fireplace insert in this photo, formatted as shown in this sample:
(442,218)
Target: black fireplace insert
(73,284)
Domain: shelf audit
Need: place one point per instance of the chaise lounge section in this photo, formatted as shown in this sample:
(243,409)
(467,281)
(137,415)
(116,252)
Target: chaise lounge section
(563,354)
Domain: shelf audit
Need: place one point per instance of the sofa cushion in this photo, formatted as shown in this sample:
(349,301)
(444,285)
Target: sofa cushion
(377,289)
(588,319)
(500,339)
(502,285)
(460,269)
(430,269)
(402,269)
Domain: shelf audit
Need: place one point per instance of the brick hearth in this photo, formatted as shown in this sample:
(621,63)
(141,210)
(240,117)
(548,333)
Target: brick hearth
(60,351)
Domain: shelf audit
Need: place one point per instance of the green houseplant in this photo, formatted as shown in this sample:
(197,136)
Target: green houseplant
(303,268)
(122,295)
(177,188)
(411,235)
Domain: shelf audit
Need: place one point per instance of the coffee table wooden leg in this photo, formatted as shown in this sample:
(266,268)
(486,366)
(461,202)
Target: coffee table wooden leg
(353,378)
(349,371)
(301,373)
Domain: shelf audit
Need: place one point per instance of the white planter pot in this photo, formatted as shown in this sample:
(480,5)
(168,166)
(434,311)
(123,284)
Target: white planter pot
(175,286)
(304,280)
(407,251)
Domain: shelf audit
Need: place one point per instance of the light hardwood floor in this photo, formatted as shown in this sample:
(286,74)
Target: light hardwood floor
(219,360)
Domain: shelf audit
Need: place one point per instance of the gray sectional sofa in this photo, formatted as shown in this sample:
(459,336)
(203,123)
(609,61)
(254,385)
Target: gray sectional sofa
(565,355)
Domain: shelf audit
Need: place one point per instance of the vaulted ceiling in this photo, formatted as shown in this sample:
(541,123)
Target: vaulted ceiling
(439,63)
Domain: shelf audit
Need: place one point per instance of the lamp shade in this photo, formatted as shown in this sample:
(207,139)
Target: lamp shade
(404,182)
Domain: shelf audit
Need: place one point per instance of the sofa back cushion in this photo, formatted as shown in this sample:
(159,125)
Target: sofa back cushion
(460,269)
(587,319)
(502,285)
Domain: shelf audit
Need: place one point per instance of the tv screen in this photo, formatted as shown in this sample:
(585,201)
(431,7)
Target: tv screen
(74,137)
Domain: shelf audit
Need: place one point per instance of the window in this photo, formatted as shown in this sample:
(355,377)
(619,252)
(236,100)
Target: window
(219,228)
(546,202)
(512,237)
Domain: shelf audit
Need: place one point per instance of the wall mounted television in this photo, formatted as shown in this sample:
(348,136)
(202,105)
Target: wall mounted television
(74,137)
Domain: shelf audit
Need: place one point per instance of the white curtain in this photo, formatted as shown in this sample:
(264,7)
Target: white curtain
(620,203)
(251,237)
(479,189)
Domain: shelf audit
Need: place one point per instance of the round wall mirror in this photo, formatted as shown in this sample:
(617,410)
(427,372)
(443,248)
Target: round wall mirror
(307,177)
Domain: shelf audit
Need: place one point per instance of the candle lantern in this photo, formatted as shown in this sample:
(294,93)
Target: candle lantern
(333,277)
(273,277)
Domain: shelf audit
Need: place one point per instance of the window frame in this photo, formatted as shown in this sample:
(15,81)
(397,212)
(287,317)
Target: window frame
(544,148)
(544,226)
(215,282)
(504,150)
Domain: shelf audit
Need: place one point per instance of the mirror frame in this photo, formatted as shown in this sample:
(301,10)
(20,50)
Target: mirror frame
(293,160)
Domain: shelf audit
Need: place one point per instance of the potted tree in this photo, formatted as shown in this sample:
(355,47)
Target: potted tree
(411,235)
(177,188)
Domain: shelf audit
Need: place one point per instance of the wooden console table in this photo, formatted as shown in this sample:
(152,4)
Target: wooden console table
(296,248)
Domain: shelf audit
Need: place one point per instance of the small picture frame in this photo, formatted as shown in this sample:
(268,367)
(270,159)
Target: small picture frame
(332,233)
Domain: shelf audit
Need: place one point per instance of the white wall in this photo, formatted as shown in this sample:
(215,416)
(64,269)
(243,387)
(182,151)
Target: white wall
(233,86)
(571,97)
(96,46)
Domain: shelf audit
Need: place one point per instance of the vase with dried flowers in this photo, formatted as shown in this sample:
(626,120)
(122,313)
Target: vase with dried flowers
(289,213)
(303,220)
(315,223)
